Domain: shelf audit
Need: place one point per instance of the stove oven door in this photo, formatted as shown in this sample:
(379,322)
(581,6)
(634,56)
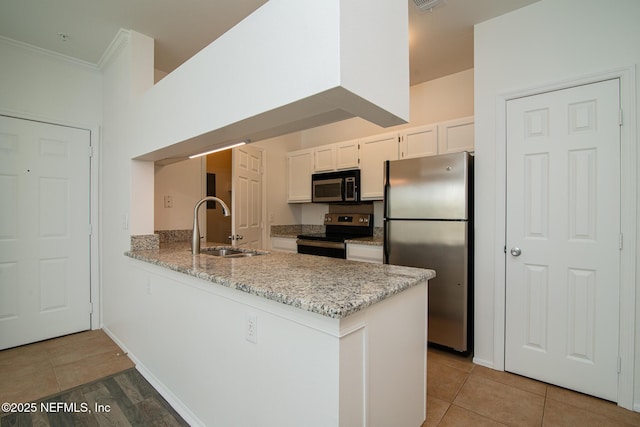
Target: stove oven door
(322,248)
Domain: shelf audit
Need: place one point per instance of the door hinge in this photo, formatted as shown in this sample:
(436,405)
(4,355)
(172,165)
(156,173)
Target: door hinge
(620,241)
(90,308)
(619,364)
(620,117)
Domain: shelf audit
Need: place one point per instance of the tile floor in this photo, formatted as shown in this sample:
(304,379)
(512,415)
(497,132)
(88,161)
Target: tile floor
(460,393)
(45,368)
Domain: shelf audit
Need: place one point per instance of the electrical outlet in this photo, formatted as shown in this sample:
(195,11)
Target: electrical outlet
(251,330)
(168,201)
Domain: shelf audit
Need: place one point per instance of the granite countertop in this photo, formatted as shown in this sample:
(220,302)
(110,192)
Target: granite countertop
(331,287)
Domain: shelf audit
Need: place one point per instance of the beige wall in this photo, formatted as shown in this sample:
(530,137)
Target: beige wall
(183,182)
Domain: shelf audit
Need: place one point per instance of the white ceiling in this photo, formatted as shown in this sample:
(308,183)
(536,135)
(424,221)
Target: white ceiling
(441,41)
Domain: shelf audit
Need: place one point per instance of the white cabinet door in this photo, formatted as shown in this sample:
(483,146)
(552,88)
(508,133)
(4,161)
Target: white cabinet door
(325,158)
(347,154)
(456,135)
(364,253)
(300,168)
(374,151)
(419,142)
(284,244)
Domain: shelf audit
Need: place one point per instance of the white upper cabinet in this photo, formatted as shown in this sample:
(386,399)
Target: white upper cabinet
(369,154)
(456,135)
(419,142)
(341,155)
(347,154)
(373,153)
(299,170)
(324,158)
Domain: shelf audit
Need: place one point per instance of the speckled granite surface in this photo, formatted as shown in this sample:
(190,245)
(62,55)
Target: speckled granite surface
(331,287)
(144,242)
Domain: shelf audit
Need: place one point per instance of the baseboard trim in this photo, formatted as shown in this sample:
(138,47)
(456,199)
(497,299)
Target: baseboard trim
(167,394)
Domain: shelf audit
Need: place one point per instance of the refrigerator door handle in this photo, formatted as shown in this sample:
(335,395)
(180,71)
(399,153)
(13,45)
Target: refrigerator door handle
(385,241)
(385,190)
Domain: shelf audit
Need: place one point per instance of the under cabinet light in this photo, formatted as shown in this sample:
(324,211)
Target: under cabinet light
(218,149)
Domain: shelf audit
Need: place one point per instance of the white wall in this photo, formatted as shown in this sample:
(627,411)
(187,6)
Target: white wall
(287,65)
(547,43)
(40,85)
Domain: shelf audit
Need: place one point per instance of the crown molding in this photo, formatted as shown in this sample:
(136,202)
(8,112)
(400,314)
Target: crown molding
(118,43)
(49,53)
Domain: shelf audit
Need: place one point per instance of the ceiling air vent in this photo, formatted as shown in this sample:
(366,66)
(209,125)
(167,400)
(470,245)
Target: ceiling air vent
(427,5)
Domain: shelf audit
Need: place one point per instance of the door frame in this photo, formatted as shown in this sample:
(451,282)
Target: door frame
(628,179)
(95,288)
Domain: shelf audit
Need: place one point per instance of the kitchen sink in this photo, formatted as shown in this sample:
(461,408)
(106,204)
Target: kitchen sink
(230,252)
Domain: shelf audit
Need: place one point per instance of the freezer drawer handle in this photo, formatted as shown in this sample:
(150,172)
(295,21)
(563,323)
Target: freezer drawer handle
(516,251)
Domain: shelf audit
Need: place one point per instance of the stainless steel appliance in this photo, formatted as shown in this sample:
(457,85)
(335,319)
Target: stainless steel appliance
(336,187)
(338,229)
(428,207)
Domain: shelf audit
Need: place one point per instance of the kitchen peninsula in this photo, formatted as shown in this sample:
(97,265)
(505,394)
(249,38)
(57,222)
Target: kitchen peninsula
(283,339)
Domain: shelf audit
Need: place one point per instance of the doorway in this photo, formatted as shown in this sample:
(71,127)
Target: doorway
(237,177)
(563,237)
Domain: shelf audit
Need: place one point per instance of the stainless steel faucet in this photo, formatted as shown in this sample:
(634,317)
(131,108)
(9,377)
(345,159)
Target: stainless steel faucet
(195,238)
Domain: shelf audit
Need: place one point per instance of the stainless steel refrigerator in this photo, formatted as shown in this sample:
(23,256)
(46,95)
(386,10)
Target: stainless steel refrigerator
(428,207)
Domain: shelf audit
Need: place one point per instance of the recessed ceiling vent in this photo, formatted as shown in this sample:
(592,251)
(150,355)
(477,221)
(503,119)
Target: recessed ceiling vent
(427,5)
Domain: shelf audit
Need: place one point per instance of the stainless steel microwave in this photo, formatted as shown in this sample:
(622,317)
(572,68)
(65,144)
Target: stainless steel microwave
(336,187)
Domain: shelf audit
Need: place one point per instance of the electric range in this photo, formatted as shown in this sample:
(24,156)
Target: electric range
(338,229)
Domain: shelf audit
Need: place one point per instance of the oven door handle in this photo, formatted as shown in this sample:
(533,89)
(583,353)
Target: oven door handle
(320,244)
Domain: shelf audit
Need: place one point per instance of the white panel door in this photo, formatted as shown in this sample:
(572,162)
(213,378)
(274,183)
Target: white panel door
(246,200)
(563,238)
(44,231)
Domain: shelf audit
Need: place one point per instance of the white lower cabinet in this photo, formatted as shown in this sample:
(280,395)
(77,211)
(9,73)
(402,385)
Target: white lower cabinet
(284,244)
(364,253)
